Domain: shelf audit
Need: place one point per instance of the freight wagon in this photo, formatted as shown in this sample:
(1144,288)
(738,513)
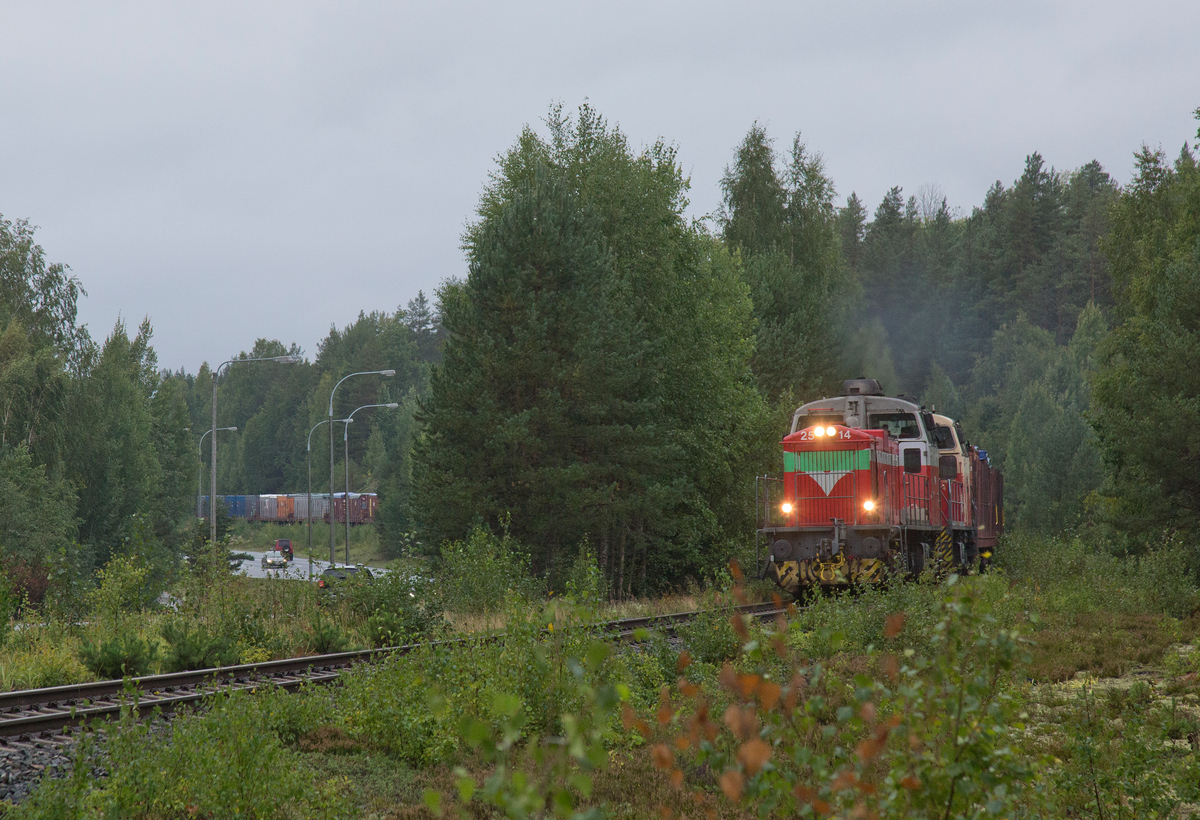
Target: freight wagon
(294,507)
(363,507)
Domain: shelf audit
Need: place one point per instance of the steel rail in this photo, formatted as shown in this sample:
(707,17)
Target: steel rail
(27,713)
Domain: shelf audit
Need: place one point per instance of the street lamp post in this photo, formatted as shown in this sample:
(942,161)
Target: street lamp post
(332,548)
(200,469)
(309,514)
(212,463)
(346,443)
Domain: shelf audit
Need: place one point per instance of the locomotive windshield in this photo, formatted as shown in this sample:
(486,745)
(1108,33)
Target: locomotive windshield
(943,437)
(898,425)
(823,419)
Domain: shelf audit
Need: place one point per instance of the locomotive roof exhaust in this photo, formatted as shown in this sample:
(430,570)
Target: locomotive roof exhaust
(861,387)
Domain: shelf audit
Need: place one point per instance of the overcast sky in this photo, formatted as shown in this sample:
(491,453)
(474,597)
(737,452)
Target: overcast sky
(245,170)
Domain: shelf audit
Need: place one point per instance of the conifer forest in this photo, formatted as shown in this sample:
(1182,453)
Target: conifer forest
(572,434)
(609,375)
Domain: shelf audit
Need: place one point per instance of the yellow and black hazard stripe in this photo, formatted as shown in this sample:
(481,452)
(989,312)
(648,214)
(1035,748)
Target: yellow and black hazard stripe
(868,571)
(943,552)
(791,575)
(787,575)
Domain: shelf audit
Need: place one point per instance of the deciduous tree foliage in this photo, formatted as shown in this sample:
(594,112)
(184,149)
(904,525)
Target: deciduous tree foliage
(129,453)
(38,338)
(594,383)
(93,442)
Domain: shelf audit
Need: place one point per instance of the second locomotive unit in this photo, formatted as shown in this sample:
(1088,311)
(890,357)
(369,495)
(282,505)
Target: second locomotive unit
(876,484)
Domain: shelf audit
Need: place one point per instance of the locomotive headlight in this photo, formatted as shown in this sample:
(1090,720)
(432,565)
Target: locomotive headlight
(829,431)
(787,508)
(820,431)
(868,505)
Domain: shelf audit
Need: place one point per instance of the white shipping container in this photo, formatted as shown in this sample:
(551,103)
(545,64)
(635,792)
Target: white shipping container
(319,506)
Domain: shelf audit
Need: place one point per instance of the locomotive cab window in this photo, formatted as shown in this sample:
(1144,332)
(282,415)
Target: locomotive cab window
(898,425)
(823,420)
(943,436)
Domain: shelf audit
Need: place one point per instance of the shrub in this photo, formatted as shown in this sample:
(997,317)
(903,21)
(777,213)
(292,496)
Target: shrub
(584,581)
(121,590)
(709,637)
(223,763)
(125,655)
(189,648)
(386,706)
(400,600)
(927,736)
(291,715)
(27,581)
(857,619)
(537,778)
(477,575)
(1074,576)
(1115,759)
(1166,575)
(8,606)
(647,672)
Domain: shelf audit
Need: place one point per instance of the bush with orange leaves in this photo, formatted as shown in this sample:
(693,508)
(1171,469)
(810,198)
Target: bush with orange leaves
(925,737)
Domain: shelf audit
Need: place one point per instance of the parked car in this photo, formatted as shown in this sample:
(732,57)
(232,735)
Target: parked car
(335,575)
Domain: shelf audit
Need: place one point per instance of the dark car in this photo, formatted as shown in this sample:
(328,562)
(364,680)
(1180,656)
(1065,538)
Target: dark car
(335,575)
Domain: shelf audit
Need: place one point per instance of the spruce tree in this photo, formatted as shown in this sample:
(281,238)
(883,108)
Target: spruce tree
(1147,388)
(781,221)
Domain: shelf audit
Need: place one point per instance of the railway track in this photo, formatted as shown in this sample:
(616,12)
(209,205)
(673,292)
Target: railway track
(41,715)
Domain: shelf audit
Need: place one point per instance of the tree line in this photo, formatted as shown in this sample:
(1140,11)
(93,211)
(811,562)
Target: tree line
(610,375)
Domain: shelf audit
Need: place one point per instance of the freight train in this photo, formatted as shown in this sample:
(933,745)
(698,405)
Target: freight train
(875,486)
(293,508)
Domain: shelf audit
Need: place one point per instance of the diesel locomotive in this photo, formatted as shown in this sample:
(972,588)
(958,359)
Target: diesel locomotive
(876,485)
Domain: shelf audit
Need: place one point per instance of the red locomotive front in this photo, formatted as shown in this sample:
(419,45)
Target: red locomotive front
(840,494)
(875,483)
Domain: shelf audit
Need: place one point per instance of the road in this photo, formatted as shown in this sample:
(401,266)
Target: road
(299,568)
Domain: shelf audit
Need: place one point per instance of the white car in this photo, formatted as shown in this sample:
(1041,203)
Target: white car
(274,560)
